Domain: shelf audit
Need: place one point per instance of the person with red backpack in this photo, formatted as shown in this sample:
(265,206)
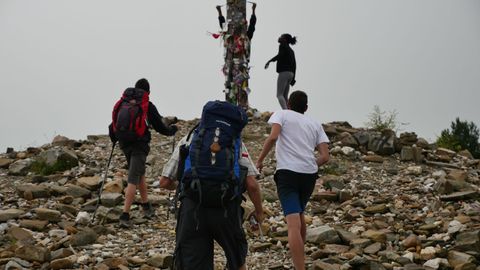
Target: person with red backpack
(131,117)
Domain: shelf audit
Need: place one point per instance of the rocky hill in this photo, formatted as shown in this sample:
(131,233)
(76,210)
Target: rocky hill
(384,202)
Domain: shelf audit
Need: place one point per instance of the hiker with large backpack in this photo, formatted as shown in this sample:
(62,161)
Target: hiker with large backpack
(213,169)
(132,116)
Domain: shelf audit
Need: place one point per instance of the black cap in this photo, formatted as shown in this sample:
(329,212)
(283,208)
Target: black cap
(143,84)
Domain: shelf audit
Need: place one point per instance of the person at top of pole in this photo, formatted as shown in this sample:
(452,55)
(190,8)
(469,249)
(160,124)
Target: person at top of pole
(251,25)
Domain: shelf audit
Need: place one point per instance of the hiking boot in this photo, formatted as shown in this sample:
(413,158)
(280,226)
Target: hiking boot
(125,221)
(148,211)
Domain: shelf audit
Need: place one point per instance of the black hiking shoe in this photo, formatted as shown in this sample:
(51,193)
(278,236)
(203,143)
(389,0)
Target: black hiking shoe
(125,221)
(148,211)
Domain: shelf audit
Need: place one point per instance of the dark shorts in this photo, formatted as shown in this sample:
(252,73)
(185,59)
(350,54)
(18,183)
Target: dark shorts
(136,155)
(197,228)
(294,190)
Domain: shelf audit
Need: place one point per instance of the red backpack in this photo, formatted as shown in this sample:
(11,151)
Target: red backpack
(129,116)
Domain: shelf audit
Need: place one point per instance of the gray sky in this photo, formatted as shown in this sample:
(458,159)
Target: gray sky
(63,64)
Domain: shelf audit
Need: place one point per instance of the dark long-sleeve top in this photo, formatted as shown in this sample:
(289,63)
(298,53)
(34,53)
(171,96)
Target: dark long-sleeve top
(251,25)
(154,119)
(285,59)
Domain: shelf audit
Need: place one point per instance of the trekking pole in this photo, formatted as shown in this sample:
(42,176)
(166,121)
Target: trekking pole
(254,222)
(103,182)
(170,205)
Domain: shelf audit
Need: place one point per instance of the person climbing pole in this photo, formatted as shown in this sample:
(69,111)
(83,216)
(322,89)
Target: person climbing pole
(251,25)
(237,37)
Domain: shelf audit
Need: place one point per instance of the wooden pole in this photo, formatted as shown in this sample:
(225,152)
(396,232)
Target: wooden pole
(237,54)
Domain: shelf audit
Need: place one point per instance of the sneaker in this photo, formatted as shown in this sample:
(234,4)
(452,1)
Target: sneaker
(148,211)
(124,221)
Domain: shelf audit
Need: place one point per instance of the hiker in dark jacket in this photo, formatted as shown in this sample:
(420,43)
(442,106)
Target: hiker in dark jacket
(251,25)
(286,68)
(136,153)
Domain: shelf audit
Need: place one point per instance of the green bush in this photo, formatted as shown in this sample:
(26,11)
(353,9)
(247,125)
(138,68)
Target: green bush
(42,168)
(462,135)
(380,120)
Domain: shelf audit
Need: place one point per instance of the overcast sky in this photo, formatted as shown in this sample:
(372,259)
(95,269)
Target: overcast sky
(63,64)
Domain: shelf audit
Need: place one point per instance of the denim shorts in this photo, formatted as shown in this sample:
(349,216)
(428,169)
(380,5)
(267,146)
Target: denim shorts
(294,190)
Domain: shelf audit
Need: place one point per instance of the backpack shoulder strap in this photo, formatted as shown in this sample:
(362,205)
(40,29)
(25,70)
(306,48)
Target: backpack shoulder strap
(195,150)
(192,130)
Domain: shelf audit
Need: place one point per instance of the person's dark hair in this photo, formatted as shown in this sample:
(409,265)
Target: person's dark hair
(143,84)
(290,39)
(298,101)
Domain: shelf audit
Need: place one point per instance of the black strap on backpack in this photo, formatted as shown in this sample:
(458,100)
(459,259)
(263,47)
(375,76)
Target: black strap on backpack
(183,153)
(195,184)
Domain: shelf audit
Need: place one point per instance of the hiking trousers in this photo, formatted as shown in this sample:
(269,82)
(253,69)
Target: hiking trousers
(283,87)
(198,227)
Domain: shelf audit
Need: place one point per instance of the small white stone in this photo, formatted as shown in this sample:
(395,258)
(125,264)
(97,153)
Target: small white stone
(438,174)
(409,255)
(455,226)
(82,218)
(84,259)
(3,227)
(435,263)
(57,233)
(428,253)
(107,254)
(348,151)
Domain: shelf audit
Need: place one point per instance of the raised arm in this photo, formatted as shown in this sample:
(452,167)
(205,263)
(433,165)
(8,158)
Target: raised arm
(221,19)
(155,119)
(282,50)
(253,22)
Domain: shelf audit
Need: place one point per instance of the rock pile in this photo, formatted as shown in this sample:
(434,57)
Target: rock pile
(382,202)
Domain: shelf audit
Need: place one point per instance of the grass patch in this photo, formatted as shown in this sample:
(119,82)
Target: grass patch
(333,168)
(42,168)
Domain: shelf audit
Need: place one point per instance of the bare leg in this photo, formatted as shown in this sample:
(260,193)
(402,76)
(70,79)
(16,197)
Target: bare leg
(303,227)
(129,197)
(142,186)
(243,267)
(295,241)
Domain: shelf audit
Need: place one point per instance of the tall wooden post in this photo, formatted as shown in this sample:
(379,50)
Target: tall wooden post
(237,54)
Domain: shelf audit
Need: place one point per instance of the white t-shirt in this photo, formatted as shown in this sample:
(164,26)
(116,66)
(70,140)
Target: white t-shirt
(297,141)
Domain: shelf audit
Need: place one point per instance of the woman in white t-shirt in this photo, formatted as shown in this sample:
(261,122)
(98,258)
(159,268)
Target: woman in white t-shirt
(296,137)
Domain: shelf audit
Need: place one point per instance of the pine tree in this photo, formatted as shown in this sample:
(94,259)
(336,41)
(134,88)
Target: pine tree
(463,135)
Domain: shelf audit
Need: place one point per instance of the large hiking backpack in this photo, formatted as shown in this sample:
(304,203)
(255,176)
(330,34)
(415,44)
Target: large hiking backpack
(129,116)
(212,173)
